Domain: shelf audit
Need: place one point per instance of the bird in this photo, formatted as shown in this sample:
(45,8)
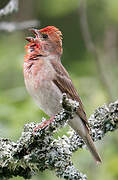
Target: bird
(46,80)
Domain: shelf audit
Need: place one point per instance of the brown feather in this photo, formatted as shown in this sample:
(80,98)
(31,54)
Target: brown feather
(64,83)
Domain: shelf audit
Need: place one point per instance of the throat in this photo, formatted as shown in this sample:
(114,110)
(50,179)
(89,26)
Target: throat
(32,56)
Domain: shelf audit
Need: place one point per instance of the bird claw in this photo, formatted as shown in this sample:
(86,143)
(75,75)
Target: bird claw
(43,125)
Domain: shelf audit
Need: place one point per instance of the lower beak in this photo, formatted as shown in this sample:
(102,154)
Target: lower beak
(30,39)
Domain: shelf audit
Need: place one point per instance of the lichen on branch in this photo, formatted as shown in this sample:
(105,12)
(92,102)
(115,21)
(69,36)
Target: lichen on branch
(38,151)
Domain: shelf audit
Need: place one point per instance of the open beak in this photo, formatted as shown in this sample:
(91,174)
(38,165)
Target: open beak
(36,32)
(30,39)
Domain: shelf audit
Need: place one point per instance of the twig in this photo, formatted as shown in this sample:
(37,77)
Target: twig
(34,153)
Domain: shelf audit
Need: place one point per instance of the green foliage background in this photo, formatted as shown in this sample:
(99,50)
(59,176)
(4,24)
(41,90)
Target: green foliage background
(18,108)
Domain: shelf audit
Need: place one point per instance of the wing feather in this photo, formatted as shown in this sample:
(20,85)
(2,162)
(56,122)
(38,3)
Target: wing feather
(64,83)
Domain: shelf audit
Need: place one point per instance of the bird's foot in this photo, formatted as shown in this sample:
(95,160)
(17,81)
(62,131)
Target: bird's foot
(43,124)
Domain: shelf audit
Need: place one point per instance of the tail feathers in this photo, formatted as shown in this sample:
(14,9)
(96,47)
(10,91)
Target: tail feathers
(89,142)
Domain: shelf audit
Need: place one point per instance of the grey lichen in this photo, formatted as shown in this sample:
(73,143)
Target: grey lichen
(38,151)
(104,119)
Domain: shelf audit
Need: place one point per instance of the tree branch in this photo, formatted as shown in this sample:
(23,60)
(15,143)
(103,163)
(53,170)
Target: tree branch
(40,151)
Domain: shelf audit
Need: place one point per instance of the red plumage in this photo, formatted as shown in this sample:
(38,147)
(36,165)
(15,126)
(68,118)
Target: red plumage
(46,80)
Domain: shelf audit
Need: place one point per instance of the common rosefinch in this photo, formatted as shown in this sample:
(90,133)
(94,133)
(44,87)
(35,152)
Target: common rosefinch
(46,80)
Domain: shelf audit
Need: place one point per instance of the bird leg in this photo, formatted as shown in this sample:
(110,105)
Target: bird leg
(44,124)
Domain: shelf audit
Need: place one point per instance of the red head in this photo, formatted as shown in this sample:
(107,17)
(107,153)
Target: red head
(47,41)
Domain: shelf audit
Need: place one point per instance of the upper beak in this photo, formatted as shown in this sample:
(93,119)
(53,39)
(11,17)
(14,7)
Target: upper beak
(35,31)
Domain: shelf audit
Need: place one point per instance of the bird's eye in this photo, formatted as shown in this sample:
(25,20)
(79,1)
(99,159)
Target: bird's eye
(45,36)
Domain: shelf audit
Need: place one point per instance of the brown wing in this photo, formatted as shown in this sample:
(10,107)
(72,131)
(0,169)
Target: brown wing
(64,83)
